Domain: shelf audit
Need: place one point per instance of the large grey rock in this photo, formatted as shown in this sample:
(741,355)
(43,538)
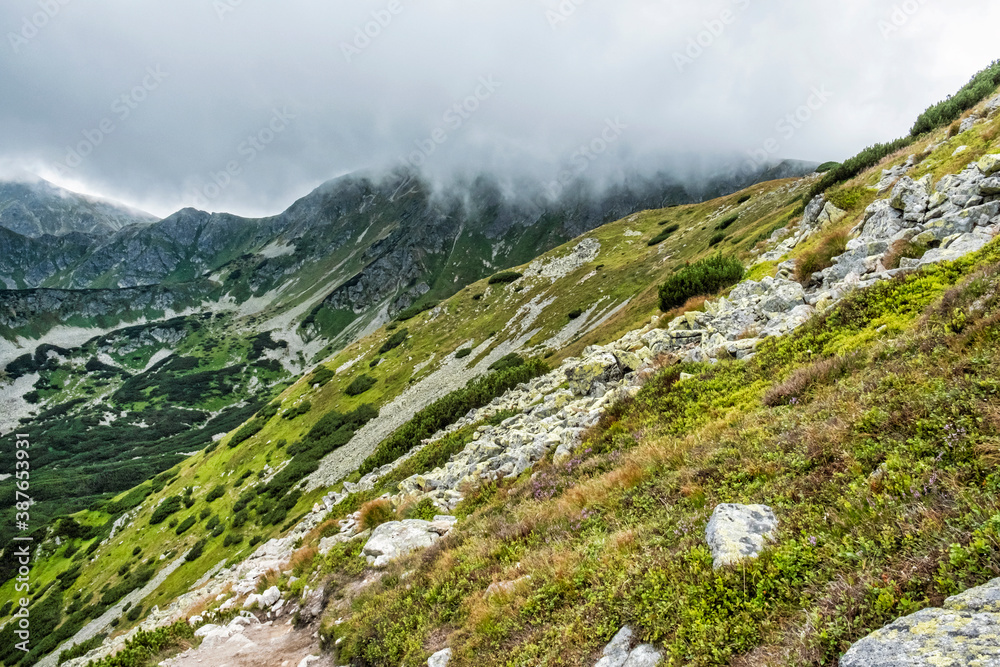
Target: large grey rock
(989,164)
(882,222)
(583,375)
(396,539)
(738,532)
(644,655)
(964,633)
(990,186)
(617,651)
(911,197)
(811,216)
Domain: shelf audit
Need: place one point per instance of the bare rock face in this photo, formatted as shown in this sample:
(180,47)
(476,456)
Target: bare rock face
(964,633)
(738,532)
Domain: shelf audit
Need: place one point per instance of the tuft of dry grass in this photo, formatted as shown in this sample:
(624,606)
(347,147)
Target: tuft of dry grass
(801,380)
(302,559)
(375,513)
(270,578)
(822,257)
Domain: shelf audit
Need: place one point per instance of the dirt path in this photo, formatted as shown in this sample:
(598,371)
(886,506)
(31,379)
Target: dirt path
(272,644)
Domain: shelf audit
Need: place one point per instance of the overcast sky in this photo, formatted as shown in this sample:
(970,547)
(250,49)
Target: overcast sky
(153,102)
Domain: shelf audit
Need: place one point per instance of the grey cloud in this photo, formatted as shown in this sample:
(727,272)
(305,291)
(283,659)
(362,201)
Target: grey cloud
(564,68)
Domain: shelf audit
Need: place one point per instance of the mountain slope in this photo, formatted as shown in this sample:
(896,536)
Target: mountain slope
(36,208)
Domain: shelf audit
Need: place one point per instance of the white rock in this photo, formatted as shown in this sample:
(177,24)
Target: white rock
(440,659)
(737,532)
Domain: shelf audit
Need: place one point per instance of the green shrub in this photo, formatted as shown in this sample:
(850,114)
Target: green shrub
(716,239)
(134,613)
(246,432)
(663,235)
(827,166)
(727,223)
(217,492)
(146,647)
(321,376)
(700,279)
(744,199)
(575,313)
(866,159)
(512,360)
(504,277)
(979,87)
(414,310)
(186,525)
(299,410)
(196,550)
(231,539)
(165,509)
(463,353)
(820,258)
(360,385)
(448,409)
(394,341)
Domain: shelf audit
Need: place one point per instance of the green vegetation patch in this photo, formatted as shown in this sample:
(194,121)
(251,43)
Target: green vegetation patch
(699,279)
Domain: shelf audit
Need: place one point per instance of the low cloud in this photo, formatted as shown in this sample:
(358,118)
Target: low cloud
(165,106)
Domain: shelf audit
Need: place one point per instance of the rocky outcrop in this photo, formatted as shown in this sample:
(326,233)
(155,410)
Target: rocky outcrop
(738,532)
(964,633)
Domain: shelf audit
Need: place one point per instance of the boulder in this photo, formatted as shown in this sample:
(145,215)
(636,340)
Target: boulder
(989,164)
(911,197)
(440,659)
(206,630)
(643,655)
(990,187)
(396,539)
(738,532)
(617,651)
(811,216)
(583,375)
(831,214)
(966,631)
(270,596)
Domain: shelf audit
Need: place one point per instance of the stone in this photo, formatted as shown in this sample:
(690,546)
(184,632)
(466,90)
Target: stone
(396,539)
(990,187)
(206,630)
(582,376)
(911,197)
(270,596)
(989,164)
(968,123)
(617,651)
(251,601)
(965,632)
(831,214)
(812,212)
(308,660)
(738,532)
(440,659)
(644,655)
